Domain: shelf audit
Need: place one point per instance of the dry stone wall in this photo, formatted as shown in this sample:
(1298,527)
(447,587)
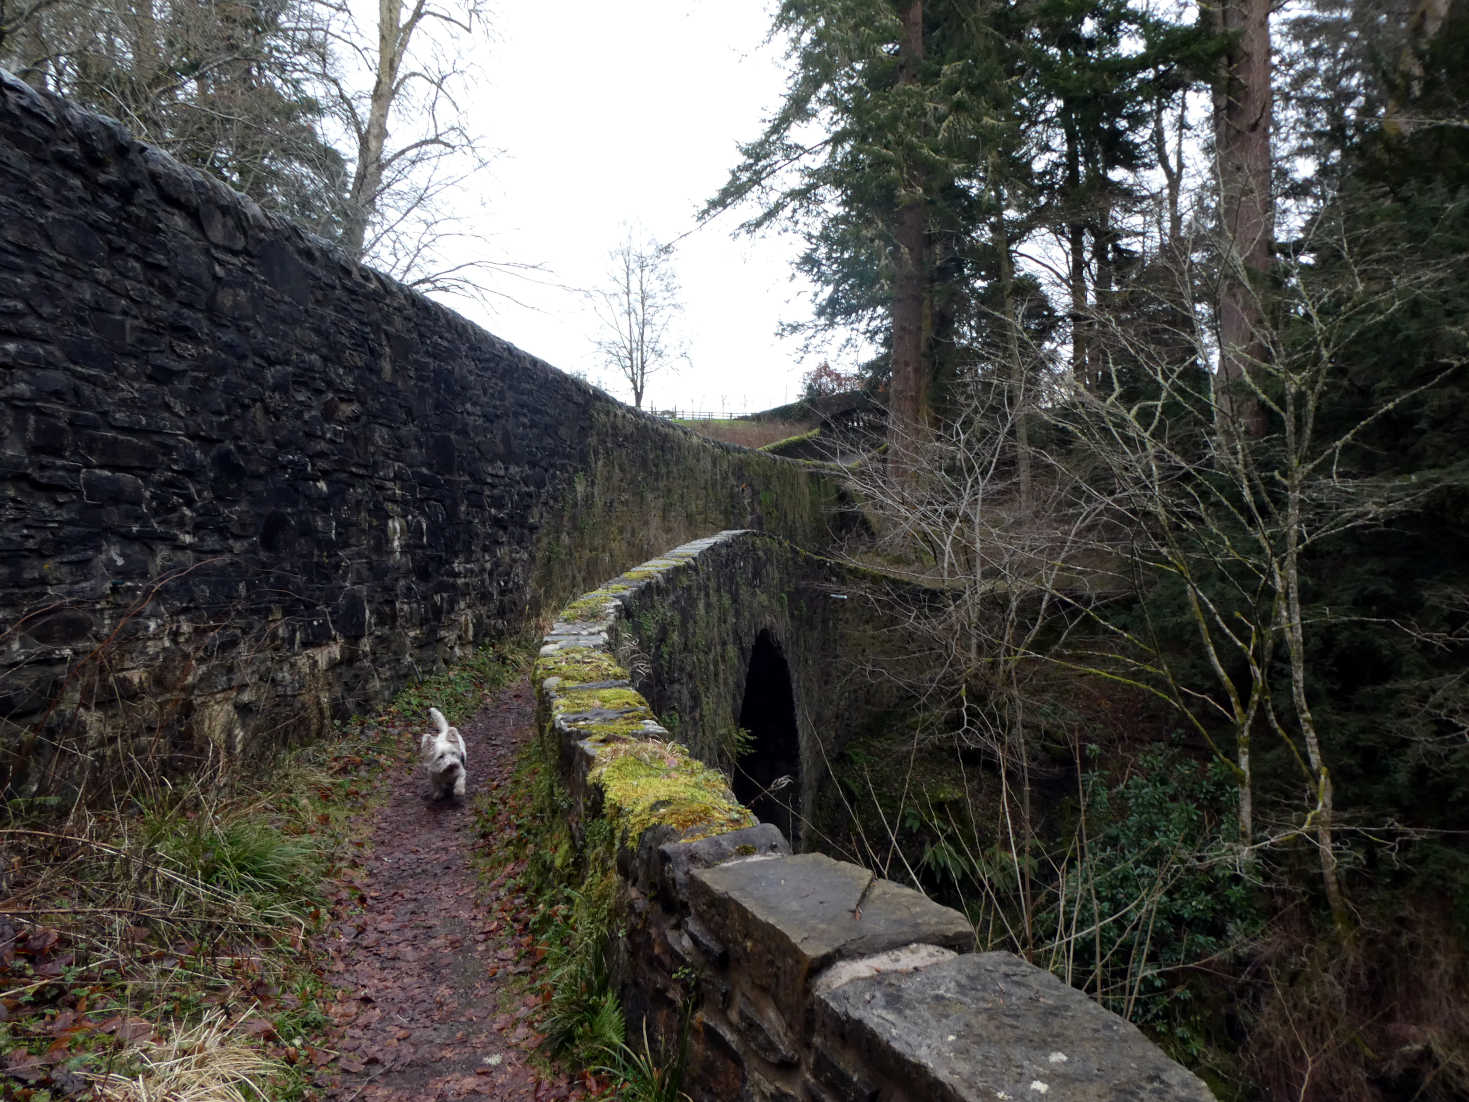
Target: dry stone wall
(250,485)
(792,977)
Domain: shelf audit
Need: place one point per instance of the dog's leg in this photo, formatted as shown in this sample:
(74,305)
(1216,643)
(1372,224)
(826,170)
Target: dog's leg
(459,785)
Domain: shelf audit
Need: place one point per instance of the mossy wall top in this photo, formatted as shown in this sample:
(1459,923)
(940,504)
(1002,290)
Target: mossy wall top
(687,624)
(250,485)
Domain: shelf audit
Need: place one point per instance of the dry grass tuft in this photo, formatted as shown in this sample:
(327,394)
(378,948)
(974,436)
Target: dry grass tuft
(212,1061)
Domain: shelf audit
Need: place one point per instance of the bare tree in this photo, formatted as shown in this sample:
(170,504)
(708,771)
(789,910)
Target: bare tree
(1033,553)
(406,80)
(1237,527)
(360,134)
(636,310)
(228,88)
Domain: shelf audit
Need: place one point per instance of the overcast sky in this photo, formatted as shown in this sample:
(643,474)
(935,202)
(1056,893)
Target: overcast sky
(611,114)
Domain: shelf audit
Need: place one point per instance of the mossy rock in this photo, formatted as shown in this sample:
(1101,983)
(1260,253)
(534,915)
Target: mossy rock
(780,447)
(616,699)
(594,606)
(650,784)
(580,666)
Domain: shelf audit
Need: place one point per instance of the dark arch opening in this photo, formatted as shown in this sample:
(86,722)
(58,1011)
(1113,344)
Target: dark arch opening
(767,775)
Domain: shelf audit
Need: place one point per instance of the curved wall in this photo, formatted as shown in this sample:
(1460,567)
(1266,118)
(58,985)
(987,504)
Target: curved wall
(250,485)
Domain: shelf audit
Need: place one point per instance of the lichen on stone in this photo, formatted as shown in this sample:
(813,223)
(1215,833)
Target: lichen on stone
(641,573)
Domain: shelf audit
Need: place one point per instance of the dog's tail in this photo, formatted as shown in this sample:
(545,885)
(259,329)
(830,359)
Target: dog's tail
(439,721)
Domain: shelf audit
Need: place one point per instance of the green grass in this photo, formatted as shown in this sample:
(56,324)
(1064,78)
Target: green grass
(459,691)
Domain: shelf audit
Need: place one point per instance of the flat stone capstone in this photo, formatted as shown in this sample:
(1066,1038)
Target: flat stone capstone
(966,1029)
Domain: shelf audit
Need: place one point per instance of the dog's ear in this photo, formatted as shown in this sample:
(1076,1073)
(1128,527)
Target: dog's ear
(425,742)
(457,739)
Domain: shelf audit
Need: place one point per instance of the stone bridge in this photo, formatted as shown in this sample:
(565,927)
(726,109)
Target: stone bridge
(252,487)
(789,976)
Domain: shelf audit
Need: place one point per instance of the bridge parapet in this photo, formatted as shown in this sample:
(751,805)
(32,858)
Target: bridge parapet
(791,977)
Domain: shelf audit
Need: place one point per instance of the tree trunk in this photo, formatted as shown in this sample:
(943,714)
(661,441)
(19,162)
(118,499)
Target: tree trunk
(393,35)
(1019,398)
(1242,97)
(1172,174)
(1076,247)
(908,397)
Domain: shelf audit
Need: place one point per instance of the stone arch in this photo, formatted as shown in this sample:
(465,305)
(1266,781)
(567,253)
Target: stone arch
(767,773)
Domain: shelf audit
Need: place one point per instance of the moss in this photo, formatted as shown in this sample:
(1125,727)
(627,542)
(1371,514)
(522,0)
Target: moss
(583,610)
(650,784)
(608,715)
(580,665)
(594,700)
(593,606)
(620,728)
(799,438)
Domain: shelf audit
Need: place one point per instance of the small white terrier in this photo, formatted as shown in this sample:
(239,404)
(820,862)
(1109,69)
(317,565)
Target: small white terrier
(443,757)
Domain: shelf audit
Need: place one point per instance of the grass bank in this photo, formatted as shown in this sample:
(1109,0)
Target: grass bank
(162,947)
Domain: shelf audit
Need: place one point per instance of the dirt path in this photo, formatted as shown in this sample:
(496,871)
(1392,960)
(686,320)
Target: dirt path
(425,956)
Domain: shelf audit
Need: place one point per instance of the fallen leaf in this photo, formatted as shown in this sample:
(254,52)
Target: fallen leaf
(41,940)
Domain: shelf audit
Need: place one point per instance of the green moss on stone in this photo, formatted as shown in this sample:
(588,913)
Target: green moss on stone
(650,784)
(616,728)
(594,605)
(584,609)
(593,700)
(799,438)
(580,665)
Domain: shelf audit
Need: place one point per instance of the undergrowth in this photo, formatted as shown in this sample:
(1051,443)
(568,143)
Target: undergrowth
(159,948)
(572,890)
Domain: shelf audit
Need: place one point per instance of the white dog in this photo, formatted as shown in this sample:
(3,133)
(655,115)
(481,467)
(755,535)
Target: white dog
(443,757)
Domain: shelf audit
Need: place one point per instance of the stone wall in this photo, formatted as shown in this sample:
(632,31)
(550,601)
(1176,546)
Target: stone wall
(690,635)
(791,978)
(693,640)
(250,485)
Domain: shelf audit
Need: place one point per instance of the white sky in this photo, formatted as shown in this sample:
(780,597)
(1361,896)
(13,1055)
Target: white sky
(610,114)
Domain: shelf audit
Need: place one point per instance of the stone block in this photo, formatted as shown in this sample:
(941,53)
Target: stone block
(843,1077)
(678,859)
(715,1071)
(764,1032)
(64,628)
(106,449)
(108,487)
(989,1025)
(785,919)
(760,1089)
